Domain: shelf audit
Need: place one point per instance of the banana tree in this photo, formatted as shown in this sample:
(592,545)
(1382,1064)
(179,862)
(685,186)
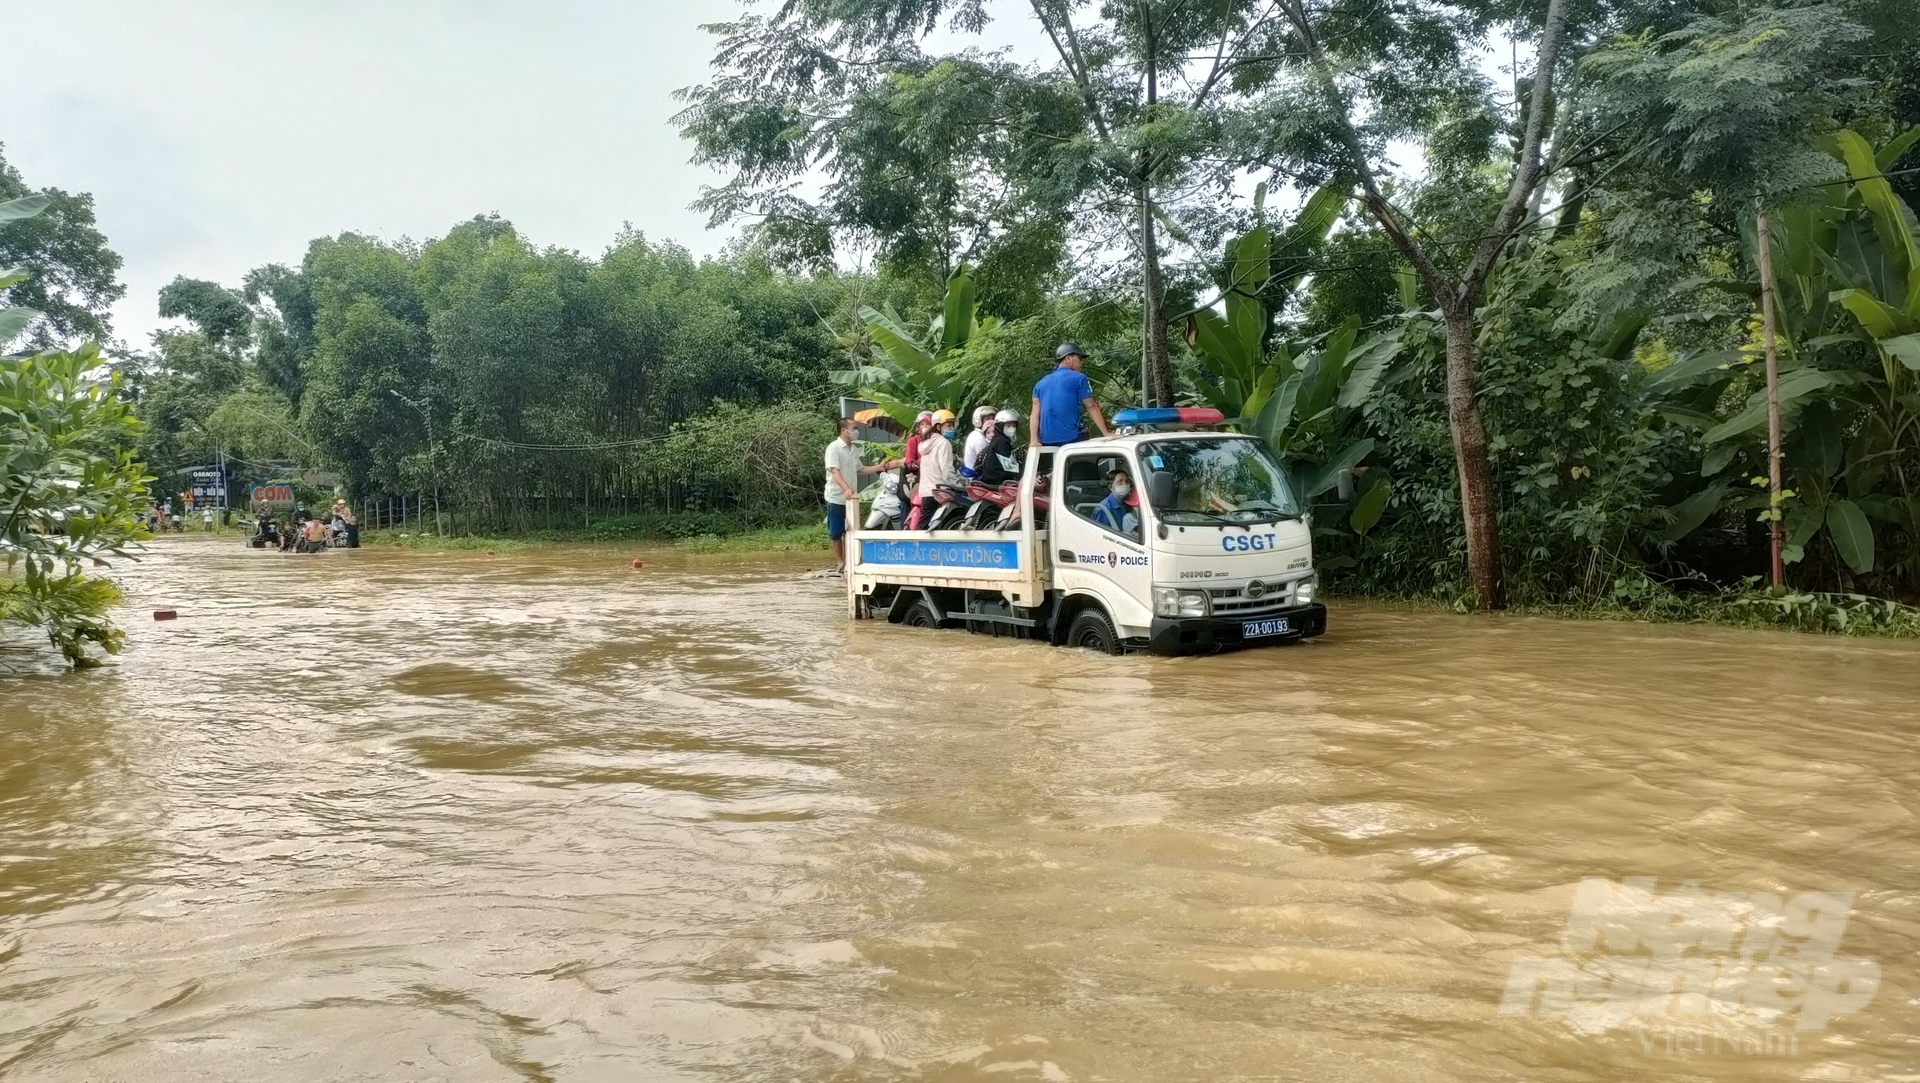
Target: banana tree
(1233,370)
(1303,399)
(1847,260)
(911,371)
(1312,419)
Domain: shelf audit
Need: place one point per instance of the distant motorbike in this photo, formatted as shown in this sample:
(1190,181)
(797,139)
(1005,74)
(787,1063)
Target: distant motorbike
(265,533)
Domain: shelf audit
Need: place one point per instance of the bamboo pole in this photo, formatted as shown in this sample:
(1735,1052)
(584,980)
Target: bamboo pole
(1775,525)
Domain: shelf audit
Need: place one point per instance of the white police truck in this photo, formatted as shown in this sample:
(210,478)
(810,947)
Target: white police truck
(1216,552)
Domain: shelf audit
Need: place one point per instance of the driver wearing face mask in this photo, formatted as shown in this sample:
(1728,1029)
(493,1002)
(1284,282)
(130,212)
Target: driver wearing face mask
(1119,511)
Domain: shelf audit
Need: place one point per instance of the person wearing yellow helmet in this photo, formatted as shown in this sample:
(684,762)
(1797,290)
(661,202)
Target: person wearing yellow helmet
(937,465)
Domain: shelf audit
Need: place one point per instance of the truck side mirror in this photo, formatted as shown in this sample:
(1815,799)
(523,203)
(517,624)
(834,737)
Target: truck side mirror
(1160,489)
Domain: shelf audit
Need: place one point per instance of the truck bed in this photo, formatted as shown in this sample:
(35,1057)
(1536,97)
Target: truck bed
(1013,562)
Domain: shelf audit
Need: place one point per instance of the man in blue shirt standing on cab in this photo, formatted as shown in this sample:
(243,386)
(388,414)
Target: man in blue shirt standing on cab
(1057,399)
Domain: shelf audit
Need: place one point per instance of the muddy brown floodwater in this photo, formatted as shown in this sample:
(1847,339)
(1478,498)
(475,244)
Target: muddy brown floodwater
(402,815)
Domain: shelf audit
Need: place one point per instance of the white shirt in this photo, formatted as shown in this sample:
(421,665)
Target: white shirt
(847,457)
(977,441)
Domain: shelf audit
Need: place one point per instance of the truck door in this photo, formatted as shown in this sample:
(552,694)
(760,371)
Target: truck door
(1093,553)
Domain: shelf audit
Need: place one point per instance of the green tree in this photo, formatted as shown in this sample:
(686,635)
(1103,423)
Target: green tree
(1847,257)
(283,301)
(1140,119)
(1346,79)
(219,313)
(71,273)
(68,485)
(69,494)
(370,340)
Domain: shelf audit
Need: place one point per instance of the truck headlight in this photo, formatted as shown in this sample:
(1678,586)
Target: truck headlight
(1303,593)
(1174,602)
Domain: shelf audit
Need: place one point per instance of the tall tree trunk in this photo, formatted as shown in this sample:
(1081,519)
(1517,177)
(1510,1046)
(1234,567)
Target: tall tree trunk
(1479,512)
(1159,373)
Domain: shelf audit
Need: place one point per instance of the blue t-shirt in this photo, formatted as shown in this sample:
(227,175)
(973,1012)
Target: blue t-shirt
(1114,514)
(1060,393)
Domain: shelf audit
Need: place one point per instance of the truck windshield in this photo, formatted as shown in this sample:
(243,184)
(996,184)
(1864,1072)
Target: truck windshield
(1231,479)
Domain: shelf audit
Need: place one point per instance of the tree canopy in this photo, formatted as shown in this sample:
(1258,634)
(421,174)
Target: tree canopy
(72,276)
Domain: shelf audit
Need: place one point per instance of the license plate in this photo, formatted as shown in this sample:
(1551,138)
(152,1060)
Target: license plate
(1254,629)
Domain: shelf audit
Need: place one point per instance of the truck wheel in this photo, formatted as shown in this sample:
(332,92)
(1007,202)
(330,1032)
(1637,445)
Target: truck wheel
(1091,629)
(920,615)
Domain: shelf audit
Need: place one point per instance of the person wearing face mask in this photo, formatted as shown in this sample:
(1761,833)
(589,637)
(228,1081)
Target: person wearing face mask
(977,441)
(910,476)
(999,464)
(937,463)
(1119,511)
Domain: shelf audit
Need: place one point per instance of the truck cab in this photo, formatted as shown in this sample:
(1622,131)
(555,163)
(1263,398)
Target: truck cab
(1213,550)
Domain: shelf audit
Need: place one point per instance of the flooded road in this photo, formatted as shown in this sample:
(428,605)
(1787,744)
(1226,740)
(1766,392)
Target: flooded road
(401,815)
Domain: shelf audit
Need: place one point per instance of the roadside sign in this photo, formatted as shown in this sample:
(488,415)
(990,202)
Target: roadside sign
(275,495)
(209,486)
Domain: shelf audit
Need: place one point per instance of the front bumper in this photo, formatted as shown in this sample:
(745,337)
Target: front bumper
(1187,635)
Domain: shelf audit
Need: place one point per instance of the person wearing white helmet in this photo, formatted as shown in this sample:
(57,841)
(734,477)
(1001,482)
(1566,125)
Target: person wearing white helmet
(1001,464)
(977,441)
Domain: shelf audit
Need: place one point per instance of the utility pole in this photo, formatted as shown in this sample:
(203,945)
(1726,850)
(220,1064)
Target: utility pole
(1775,525)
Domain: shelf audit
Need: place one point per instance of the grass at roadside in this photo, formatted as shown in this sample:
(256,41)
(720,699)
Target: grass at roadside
(1748,606)
(787,539)
(779,539)
(1791,610)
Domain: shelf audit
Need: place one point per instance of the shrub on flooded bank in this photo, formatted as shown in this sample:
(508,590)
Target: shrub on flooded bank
(1751,605)
(69,490)
(696,532)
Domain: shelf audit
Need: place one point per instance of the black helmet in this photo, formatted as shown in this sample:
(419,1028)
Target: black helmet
(1068,349)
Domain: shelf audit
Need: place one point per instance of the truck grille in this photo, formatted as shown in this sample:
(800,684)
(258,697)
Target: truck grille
(1233,601)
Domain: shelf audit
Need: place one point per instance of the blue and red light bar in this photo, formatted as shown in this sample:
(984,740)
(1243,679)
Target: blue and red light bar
(1170,415)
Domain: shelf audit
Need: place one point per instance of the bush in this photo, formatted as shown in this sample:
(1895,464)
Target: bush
(743,460)
(1585,463)
(70,492)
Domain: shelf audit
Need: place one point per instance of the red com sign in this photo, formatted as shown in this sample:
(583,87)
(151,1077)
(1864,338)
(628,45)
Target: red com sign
(274,494)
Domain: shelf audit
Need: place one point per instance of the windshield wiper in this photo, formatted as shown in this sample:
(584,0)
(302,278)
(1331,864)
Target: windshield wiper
(1279,513)
(1210,515)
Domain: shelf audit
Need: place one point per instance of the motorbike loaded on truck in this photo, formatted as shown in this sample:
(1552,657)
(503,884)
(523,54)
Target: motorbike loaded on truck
(1217,551)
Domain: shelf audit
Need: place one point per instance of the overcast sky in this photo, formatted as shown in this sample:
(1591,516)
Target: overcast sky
(217,135)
